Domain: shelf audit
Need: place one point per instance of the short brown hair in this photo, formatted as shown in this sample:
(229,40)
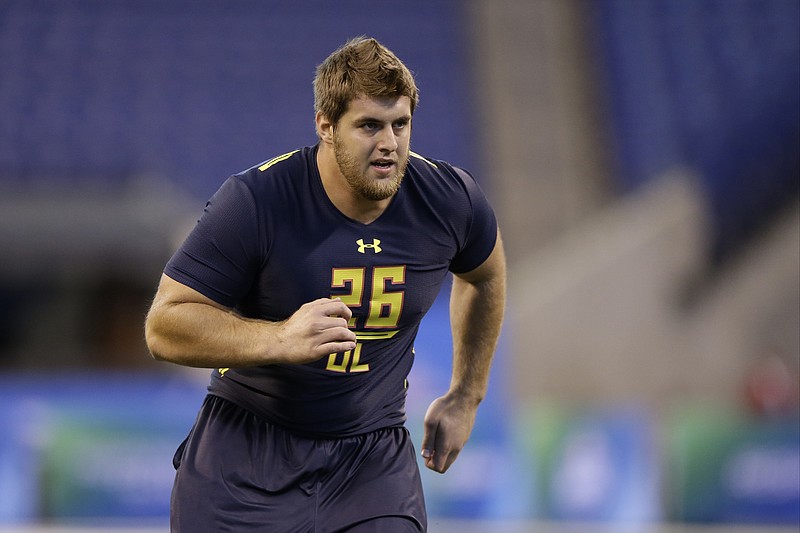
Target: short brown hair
(361,67)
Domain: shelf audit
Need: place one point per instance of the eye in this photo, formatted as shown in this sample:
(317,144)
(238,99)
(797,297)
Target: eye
(370,126)
(400,124)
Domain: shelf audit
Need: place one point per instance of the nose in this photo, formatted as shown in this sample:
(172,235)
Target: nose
(387,140)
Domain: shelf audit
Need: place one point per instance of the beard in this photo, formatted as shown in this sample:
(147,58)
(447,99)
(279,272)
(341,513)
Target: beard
(371,189)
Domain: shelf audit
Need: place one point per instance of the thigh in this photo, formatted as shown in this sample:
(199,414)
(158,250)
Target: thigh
(375,478)
(231,476)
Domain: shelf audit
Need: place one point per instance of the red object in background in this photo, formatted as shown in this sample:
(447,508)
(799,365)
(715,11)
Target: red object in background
(772,387)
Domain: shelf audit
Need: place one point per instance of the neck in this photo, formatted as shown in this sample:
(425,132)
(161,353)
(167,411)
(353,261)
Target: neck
(341,194)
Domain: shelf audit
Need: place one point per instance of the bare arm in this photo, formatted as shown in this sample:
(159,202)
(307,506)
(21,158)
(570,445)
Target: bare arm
(477,305)
(185,327)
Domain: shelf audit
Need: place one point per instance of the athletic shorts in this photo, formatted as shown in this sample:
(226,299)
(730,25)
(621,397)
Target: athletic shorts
(236,472)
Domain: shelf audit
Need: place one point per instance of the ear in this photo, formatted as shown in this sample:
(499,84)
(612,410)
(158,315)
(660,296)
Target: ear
(324,128)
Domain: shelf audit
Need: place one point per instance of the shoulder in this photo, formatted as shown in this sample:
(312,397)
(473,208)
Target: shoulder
(289,166)
(285,161)
(437,176)
(461,206)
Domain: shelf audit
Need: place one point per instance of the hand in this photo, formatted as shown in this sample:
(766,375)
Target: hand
(317,329)
(448,424)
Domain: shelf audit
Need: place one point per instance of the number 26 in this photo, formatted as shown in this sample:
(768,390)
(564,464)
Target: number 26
(384,306)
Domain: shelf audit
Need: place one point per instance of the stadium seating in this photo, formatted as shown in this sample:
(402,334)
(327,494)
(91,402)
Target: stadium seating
(711,86)
(193,91)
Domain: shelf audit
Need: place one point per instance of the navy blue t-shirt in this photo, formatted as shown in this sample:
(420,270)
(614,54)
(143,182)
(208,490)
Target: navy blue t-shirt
(271,240)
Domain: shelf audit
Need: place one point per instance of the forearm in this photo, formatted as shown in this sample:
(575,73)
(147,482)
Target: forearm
(476,315)
(188,328)
(477,303)
(200,335)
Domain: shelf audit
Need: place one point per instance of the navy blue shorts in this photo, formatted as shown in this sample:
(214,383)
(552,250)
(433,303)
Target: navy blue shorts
(236,472)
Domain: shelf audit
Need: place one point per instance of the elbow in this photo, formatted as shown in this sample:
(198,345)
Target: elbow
(160,349)
(166,343)
(155,352)
(154,347)
(157,343)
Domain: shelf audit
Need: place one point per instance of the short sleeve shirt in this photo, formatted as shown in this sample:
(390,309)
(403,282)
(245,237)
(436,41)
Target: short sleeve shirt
(271,240)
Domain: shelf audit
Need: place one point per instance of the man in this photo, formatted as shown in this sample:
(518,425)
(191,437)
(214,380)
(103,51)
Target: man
(303,285)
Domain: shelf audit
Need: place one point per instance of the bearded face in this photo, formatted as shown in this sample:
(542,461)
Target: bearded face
(371,143)
(371,176)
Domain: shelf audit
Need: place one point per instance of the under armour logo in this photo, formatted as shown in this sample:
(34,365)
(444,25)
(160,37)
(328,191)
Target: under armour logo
(375,246)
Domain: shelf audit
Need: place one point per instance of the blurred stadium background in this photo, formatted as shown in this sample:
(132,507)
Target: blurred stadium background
(642,156)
